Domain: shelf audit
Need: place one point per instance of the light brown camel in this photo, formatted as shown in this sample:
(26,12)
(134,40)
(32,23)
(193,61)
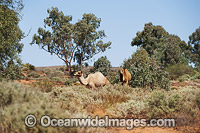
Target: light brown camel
(94,80)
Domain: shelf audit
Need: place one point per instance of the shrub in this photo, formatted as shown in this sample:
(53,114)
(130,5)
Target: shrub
(33,75)
(57,79)
(56,73)
(45,85)
(53,73)
(75,68)
(177,70)
(113,77)
(184,77)
(102,65)
(145,71)
(28,66)
(26,101)
(62,69)
(68,83)
(12,71)
(195,76)
(197,99)
(160,105)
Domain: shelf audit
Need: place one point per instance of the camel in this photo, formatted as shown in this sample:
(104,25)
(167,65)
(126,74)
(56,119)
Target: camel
(94,80)
(125,76)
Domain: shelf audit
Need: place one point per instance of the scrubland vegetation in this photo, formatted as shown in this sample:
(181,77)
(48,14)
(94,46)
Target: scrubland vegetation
(165,74)
(117,101)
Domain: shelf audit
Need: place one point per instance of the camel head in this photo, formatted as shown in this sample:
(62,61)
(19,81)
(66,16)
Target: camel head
(78,74)
(121,70)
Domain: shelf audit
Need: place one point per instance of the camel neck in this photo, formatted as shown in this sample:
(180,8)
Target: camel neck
(82,80)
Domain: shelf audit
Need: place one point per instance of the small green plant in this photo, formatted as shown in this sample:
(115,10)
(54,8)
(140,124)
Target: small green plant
(33,75)
(68,83)
(45,85)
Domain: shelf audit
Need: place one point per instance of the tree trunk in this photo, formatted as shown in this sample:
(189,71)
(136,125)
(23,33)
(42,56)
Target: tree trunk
(68,64)
(81,60)
(70,68)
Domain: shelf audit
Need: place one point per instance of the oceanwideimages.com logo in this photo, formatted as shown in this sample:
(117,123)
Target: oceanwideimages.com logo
(47,121)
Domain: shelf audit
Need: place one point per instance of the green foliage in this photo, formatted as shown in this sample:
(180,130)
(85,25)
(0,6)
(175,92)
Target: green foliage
(15,5)
(76,68)
(195,76)
(102,65)
(12,71)
(28,66)
(195,47)
(17,101)
(68,83)
(160,105)
(53,73)
(45,85)
(88,39)
(56,73)
(185,77)
(166,48)
(79,41)
(58,40)
(10,37)
(33,75)
(177,70)
(145,71)
(197,99)
(63,69)
(113,77)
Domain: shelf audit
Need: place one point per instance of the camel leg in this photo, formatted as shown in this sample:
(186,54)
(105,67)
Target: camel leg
(92,85)
(126,82)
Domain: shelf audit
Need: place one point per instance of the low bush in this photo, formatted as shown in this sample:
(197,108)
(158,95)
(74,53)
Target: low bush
(161,105)
(62,69)
(28,66)
(68,83)
(197,99)
(45,85)
(53,73)
(18,102)
(178,70)
(195,76)
(184,77)
(11,72)
(56,73)
(33,75)
(113,77)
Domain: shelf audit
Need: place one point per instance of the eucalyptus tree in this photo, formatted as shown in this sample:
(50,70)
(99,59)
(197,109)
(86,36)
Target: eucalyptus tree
(167,49)
(88,38)
(57,37)
(194,42)
(10,37)
(79,41)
